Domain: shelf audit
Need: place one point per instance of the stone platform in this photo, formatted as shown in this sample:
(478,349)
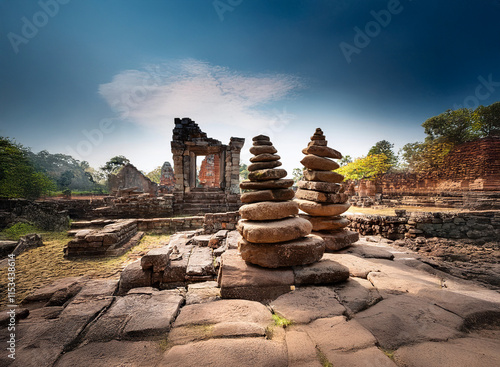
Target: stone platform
(395,310)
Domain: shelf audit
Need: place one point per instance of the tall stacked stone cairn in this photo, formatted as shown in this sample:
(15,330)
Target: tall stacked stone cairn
(321,196)
(273,235)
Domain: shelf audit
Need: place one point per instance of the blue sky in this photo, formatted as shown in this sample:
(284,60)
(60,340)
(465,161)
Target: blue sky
(97,78)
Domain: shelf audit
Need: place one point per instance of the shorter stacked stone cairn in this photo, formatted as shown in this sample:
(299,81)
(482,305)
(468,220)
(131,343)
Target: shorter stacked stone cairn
(322,197)
(273,235)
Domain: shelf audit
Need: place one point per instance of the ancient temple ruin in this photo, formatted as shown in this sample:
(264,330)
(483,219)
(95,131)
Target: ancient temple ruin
(206,171)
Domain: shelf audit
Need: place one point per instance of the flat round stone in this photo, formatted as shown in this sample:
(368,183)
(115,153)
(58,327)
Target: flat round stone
(267,174)
(261,142)
(322,143)
(274,231)
(315,162)
(322,210)
(326,223)
(323,176)
(338,240)
(269,210)
(270,184)
(322,151)
(263,165)
(302,251)
(319,186)
(321,197)
(261,137)
(265,157)
(261,149)
(267,195)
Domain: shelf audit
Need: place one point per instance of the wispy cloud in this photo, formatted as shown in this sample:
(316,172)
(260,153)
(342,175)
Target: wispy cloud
(156,94)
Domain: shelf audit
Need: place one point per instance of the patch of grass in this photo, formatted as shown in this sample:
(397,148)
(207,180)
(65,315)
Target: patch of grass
(388,352)
(322,358)
(17,230)
(281,321)
(40,266)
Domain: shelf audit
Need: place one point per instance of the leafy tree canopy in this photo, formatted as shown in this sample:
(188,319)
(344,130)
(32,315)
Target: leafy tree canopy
(243,171)
(155,175)
(384,147)
(114,164)
(18,176)
(367,168)
(297,175)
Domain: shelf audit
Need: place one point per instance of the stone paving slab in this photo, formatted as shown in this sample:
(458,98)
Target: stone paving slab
(462,352)
(202,292)
(407,319)
(301,350)
(113,354)
(357,294)
(304,305)
(227,353)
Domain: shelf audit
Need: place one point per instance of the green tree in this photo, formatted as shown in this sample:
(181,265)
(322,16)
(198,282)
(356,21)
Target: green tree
(486,120)
(114,164)
(65,180)
(451,126)
(18,176)
(155,175)
(243,171)
(297,175)
(345,160)
(367,168)
(384,147)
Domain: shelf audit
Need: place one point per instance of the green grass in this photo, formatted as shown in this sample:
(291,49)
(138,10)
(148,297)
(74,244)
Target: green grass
(322,358)
(16,231)
(42,265)
(281,321)
(388,352)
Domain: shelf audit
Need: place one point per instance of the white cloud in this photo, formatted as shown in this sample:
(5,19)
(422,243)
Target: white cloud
(210,94)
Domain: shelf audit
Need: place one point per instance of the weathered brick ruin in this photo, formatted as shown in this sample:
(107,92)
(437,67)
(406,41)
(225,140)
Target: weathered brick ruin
(469,178)
(167,179)
(215,188)
(130,177)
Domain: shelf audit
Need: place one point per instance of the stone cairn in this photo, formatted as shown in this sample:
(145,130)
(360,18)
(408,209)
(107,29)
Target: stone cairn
(273,235)
(321,196)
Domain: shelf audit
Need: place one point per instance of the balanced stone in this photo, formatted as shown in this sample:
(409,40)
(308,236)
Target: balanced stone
(319,186)
(269,210)
(336,241)
(261,137)
(321,143)
(324,176)
(315,162)
(265,157)
(261,149)
(267,195)
(269,184)
(322,197)
(322,210)
(322,151)
(300,251)
(274,231)
(263,165)
(261,142)
(327,223)
(267,174)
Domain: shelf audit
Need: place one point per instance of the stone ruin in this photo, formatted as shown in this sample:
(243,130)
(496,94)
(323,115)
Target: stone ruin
(214,186)
(167,179)
(129,180)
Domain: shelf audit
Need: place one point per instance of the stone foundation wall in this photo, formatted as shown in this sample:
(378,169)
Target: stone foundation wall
(170,225)
(216,221)
(476,226)
(108,241)
(137,207)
